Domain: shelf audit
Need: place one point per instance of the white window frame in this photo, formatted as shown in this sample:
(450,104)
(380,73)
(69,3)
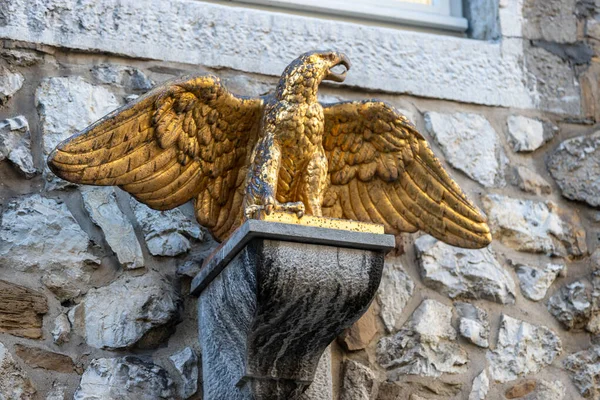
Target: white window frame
(441,14)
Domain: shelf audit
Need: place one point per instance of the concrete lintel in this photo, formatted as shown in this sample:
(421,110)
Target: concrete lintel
(264,42)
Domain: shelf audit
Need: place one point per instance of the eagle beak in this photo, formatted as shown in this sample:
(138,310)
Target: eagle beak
(338,77)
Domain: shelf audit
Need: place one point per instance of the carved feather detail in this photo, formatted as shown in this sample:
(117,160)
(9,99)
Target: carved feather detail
(382,170)
(187,139)
(191,139)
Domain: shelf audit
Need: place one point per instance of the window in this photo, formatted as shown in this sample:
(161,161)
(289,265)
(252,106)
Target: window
(440,14)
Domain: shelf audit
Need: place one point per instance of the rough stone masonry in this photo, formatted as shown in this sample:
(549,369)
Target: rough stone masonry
(94,286)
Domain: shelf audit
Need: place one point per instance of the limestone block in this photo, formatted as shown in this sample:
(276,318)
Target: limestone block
(137,310)
(583,367)
(167,233)
(62,329)
(33,227)
(321,387)
(15,144)
(535,226)
(419,389)
(426,345)
(463,273)
(571,305)
(481,385)
(67,105)
(525,134)
(520,389)
(101,205)
(10,83)
(470,144)
(530,181)
(58,392)
(553,21)
(359,382)
(535,282)
(590,91)
(575,167)
(39,358)
(395,291)
(548,390)
(360,334)
(258,85)
(21,57)
(593,28)
(537,390)
(554,79)
(124,378)
(21,310)
(186,363)
(593,325)
(473,324)
(522,349)
(14,383)
(123,76)
(190,268)
(67,282)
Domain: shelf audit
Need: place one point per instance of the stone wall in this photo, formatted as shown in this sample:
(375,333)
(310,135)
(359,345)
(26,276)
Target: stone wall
(94,286)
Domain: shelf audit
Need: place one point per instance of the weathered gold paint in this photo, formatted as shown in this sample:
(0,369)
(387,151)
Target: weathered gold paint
(320,222)
(238,157)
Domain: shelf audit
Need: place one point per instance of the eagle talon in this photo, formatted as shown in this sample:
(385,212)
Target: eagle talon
(295,207)
(252,211)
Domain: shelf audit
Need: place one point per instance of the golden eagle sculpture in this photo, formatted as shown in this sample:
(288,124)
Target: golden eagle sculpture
(191,139)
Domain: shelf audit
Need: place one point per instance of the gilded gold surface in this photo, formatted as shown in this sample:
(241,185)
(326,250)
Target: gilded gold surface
(321,222)
(237,157)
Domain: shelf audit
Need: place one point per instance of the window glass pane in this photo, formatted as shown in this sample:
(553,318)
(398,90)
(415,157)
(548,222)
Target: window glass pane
(438,14)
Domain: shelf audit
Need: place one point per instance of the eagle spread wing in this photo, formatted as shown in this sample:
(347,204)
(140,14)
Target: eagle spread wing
(187,139)
(382,170)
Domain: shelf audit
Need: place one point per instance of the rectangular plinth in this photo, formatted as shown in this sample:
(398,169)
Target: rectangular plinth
(253,229)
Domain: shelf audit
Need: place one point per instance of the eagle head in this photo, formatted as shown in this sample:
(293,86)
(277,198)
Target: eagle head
(302,77)
(323,62)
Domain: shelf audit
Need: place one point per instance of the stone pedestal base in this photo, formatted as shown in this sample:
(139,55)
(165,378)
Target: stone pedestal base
(273,297)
